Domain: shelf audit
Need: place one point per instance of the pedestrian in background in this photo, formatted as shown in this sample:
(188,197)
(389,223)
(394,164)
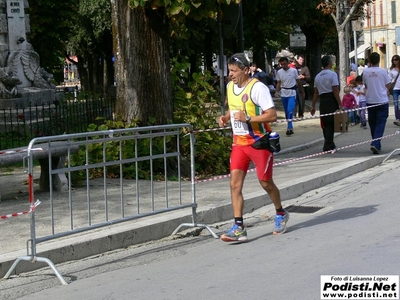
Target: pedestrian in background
(349,102)
(251,108)
(362,101)
(353,67)
(258,73)
(377,82)
(271,84)
(305,77)
(360,68)
(351,78)
(353,92)
(326,88)
(394,72)
(288,83)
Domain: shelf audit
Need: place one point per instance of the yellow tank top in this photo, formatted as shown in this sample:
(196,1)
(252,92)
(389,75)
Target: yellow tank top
(245,134)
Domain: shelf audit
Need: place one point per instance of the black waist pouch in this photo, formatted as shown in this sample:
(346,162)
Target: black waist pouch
(268,142)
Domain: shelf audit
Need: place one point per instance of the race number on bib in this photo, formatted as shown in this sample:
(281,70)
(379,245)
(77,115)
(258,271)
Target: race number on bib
(239,128)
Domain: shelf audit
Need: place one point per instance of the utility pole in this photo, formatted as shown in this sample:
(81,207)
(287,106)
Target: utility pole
(221,64)
(347,46)
(370,26)
(241,35)
(356,26)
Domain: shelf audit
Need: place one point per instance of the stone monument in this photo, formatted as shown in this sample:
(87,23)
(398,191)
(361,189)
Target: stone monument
(23,82)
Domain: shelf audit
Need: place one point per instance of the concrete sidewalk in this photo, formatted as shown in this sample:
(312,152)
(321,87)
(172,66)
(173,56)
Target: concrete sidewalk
(300,167)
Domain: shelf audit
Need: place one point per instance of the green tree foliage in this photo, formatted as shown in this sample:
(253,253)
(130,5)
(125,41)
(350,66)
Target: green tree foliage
(91,41)
(77,27)
(342,12)
(317,27)
(266,27)
(50,23)
(197,103)
(268,24)
(143,52)
(192,21)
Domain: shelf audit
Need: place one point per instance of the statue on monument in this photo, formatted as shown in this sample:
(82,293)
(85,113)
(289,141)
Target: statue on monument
(20,71)
(8,84)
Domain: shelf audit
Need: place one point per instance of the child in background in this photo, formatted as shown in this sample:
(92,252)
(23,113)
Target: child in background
(349,102)
(362,101)
(353,91)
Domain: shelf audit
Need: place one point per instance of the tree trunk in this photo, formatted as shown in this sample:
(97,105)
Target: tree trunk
(208,51)
(342,59)
(313,57)
(141,47)
(83,73)
(259,41)
(259,56)
(108,66)
(313,60)
(313,50)
(95,74)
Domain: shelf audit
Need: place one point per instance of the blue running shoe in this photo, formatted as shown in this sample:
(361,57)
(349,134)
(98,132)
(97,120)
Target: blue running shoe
(235,234)
(280,223)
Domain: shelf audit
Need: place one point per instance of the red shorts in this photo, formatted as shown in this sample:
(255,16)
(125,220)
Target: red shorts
(241,156)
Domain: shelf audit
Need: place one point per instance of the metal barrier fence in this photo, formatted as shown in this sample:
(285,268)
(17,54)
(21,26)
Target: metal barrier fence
(113,176)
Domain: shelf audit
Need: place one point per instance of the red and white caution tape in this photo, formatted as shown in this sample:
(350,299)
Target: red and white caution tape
(304,157)
(287,120)
(220,177)
(33,207)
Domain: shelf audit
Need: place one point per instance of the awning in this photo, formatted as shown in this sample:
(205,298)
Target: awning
(360,51)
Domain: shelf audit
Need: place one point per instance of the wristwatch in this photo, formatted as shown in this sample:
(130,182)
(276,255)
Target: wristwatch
(248,118)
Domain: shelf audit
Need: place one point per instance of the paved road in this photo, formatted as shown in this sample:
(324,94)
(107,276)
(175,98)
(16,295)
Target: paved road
(355,232)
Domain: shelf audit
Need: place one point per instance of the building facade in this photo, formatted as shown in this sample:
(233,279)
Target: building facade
(379,34)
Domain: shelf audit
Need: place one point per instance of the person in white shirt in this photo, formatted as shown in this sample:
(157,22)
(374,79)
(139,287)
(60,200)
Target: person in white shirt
(377,82)
(360,69)
(251,109)
(326,88)
(288,82)
(362,101)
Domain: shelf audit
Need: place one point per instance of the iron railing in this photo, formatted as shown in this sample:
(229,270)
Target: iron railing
(19,125)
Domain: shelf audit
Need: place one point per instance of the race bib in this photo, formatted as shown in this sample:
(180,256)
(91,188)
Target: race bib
(238,128)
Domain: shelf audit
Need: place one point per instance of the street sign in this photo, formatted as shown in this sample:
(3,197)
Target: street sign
(297,40)
(357,25)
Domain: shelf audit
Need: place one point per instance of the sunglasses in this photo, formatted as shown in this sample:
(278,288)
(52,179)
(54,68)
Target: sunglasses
(239,61)
(395,59)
